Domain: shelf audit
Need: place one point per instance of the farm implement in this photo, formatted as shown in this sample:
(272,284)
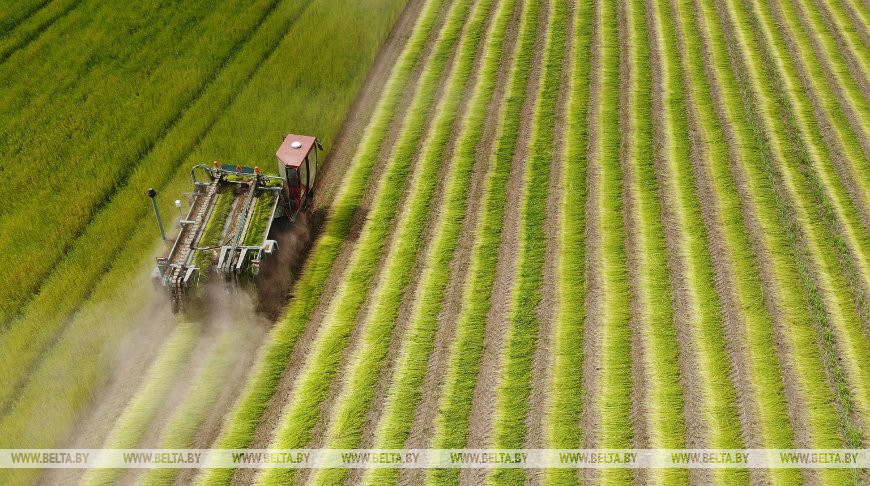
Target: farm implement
(227,229)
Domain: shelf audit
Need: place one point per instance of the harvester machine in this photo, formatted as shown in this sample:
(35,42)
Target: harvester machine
(228,227)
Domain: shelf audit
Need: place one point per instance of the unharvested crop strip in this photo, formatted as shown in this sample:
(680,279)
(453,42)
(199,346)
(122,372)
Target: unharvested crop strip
(658,397)
(467,348)
(821,265)
(514,389)
(180,134)
(243,421)
(348,418)
(33,26)
(406,390)
(303,411)
(767,222)
(45,316)
(139,413)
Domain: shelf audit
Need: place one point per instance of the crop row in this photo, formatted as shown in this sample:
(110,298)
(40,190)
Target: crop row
(663,409)
(96,328)
(515,375)
(24,21)
(243,420)
(312,385)
(434,166)
(564,412)
(451,428)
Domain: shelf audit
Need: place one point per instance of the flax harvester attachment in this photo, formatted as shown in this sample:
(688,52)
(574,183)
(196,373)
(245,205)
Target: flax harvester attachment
(227,230)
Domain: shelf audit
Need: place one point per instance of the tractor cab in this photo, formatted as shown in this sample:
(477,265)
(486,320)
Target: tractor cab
(297,166)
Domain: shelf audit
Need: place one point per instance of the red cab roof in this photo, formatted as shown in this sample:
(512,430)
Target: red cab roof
(293,150)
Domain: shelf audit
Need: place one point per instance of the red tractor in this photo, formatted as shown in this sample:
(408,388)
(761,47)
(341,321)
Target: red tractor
(226,230)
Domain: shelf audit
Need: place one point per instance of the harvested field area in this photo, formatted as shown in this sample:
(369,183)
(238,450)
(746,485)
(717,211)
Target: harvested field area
(540,224)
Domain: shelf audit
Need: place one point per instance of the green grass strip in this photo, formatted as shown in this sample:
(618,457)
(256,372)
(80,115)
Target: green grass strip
(312,388)
(211,235)
(565,389)
(613,403)
(821,243)
(765,370)
(405,394)
(21,27)
(260,219)
(106,125)
(817,397)
(243,421)
(836,63)
(817,154)
(349,418)
(515,386)
(455,407)
(141,411)
(181,429)
(663,392)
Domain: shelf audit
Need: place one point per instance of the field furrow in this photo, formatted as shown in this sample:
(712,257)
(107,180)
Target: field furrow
(301,414)
(436,166)
(657,398)
(818,240)
(565,384)
(466,349)
(32,25)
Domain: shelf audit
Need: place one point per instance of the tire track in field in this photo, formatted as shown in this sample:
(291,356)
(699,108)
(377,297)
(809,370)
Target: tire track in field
(483,406)
(343,155)
(357,340)
(542,362)
(10,51)
(127,173)
(405,314)
(423,425)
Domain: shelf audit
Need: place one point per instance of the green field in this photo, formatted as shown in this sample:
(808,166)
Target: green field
(554,224)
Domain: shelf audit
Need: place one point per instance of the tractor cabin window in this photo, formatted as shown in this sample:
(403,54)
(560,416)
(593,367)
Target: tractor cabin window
(292,177)
(303,172)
